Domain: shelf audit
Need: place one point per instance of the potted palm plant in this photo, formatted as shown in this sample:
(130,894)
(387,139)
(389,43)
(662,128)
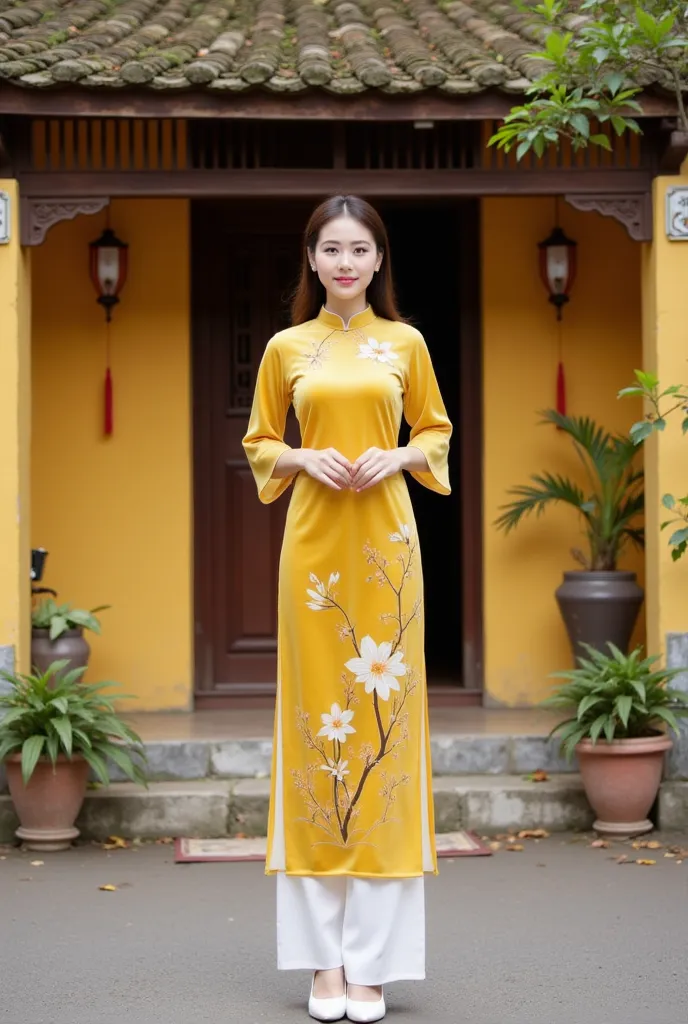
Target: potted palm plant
(600,602)
(53,729)
(57,633)
(621,707)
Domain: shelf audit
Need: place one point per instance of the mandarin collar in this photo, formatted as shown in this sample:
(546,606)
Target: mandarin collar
(333,320)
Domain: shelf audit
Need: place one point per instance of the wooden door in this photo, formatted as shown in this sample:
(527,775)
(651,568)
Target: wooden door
(242,278)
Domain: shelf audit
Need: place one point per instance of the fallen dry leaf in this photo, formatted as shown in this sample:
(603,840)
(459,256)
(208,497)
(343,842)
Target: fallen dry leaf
(623,859)
(647,863)
(533,833)
(644,844)
(670,856)
(37,863)
(115,843)
(514,848)
(495,847)
(108,888)
(600,844)
(165,840)
(539,776)
(680,851)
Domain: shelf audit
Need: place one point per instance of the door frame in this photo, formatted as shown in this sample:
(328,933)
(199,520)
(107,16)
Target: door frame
(470,430)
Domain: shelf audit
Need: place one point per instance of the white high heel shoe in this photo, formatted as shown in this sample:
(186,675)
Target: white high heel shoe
(333,1008)
(363,1012)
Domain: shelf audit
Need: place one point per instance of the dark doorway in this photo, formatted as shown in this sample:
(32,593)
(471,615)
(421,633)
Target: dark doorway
(245,258)
(424,245)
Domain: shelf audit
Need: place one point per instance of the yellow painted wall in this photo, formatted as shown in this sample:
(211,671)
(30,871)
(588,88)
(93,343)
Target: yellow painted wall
(525,638)
(15,432)
(665,278)
(115,513)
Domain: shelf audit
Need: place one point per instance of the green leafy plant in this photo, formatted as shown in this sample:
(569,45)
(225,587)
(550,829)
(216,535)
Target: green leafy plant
(592,75)
(662,403)
(610,507)
(51,714)
(61,618)
(614,696)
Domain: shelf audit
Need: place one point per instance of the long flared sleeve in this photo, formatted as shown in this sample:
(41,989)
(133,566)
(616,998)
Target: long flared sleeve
(264,440)
(426,415)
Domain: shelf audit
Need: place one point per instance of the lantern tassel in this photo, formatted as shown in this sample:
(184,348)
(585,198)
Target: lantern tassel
(108,403)
(561,390)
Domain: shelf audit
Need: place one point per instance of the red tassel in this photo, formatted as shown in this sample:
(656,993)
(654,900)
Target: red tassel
(108,403)
(561,390)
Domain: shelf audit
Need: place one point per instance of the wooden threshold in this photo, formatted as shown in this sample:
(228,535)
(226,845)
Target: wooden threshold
(262,695)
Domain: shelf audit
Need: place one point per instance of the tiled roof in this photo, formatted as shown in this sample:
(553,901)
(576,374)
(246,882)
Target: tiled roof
(287,46)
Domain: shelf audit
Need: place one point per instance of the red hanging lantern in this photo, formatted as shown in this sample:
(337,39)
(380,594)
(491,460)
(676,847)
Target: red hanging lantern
(558,272)
(558,267)
(108,267)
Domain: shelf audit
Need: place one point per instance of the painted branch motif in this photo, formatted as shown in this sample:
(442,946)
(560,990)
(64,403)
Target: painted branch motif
(387,680)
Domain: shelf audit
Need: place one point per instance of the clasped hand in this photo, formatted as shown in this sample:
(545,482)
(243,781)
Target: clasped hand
(330,467)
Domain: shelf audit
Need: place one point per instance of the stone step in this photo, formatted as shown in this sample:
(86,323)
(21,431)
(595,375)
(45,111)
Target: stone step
(452,754)
(211,808)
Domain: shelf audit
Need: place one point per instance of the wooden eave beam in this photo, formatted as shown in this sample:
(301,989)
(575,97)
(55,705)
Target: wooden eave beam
(315,106)
(310,183)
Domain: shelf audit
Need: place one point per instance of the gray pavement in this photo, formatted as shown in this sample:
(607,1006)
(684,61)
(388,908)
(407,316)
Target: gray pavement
(557,934)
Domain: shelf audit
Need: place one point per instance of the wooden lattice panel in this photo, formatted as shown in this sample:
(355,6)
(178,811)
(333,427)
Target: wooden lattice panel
(100,144)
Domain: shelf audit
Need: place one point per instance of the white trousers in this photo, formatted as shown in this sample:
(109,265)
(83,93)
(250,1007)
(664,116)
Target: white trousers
(375,928)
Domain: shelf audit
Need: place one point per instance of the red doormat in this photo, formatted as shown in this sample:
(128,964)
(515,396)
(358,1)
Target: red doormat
(206,851)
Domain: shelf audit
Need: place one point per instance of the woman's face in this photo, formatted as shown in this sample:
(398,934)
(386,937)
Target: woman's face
(345,259)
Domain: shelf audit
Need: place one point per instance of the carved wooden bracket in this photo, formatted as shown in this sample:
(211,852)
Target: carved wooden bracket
(39,215)
(633,210)
(676,149)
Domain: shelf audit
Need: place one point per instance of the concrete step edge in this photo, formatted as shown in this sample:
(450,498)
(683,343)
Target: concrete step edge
(215,807)
(451,754)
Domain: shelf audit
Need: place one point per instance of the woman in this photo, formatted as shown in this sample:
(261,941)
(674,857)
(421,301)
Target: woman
(351,830)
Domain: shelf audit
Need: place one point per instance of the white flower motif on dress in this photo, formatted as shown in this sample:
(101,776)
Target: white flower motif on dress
(379,351)
(337,769)
(378,667)
(336,725)
(320,599)
(403,536)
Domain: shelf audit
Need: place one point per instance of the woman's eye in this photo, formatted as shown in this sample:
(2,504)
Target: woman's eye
(360,252)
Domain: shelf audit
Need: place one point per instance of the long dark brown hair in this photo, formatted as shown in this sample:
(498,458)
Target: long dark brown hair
(310,294)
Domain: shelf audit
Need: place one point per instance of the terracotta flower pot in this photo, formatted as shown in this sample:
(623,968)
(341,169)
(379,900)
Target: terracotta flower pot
(621,781)
(71,645)
(48,807)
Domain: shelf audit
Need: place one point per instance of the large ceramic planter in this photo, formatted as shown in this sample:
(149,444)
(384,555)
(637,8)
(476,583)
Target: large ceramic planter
(599,607)
(621,781)
(49,805)
(72,645)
